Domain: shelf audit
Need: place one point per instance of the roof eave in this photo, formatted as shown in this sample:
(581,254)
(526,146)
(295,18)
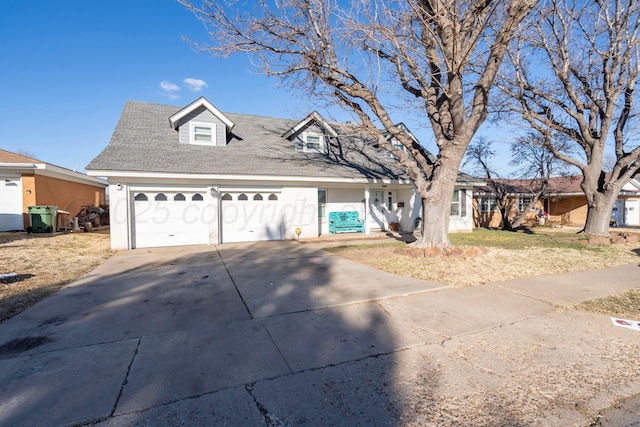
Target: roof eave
(175,119)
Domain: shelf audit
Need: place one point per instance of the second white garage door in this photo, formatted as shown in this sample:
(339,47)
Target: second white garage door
(169,219)
(251,216)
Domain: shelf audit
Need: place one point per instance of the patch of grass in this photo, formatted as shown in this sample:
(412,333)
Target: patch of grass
(511,256)
(44,263)
(626,305)
(521,240)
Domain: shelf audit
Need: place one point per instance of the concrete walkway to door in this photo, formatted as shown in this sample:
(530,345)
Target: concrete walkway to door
(282,333)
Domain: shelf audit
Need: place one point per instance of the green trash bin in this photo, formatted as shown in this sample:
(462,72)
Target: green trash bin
(44,219)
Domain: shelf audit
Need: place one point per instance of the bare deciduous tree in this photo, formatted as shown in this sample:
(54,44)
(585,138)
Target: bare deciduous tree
(575,72)
(436,56)
(536,166)
(478,158)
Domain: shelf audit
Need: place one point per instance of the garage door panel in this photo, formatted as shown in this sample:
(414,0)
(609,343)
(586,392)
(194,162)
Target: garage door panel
(174,219)
(249,218)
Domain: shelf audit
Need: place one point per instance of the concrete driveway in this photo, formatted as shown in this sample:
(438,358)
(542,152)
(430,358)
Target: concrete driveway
(282,333)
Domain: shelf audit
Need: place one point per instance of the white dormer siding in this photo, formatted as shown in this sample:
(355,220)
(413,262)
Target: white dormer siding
(195,127)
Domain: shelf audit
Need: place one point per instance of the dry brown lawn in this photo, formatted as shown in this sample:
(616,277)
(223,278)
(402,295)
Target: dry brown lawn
(496,266)
(510,256)
(44,263)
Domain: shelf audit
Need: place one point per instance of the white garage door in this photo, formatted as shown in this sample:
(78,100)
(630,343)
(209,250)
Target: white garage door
(251,216)
(10,204)
(169,218)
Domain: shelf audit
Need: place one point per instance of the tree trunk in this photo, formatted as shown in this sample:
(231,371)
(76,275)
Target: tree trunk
(435,225)
(599,213)
(436,200)
(505,222)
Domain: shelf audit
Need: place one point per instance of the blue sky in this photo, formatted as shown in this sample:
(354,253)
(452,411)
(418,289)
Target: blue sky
(68,68)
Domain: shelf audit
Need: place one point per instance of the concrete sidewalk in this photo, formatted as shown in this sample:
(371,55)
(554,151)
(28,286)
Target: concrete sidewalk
(283,333)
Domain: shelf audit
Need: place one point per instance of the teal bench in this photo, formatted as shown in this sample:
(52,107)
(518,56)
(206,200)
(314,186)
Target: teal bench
(345,222)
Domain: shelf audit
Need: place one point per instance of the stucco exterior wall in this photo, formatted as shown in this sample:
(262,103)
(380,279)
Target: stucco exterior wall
(300,210)
(463,223)
(118,217)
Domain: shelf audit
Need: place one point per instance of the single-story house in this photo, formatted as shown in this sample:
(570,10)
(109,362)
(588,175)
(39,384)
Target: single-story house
(195,175)
(25,182)
(563,202)
(485,203)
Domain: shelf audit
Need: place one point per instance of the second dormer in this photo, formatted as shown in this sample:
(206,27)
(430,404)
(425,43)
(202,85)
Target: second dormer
(200,123)
(312,134)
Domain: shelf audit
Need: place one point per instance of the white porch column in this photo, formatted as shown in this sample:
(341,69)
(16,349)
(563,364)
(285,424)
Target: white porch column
(367,226)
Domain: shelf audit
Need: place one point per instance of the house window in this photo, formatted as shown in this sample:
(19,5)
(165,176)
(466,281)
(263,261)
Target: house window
(202,133)
(313,143)
(523,202)
(488,204)
(455,203)
(322,202)
(397,145)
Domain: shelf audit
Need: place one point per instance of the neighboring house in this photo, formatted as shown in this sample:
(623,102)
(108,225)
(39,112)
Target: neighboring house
(28,182)
(485,204)
(563,203)
(195,175)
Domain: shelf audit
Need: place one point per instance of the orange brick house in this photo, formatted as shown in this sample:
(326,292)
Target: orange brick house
(25,182)
(563,203)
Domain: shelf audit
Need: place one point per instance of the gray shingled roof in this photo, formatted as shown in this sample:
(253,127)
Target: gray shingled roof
(144,141)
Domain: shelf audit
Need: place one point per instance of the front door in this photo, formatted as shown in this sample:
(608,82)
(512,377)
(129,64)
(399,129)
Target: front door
(378,210)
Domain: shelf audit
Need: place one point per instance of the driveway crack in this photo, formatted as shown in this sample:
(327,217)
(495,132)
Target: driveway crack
(269,419)
(125,381)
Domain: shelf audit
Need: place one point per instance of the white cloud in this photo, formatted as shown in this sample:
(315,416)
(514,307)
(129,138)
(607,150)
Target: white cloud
(170,89)
(195,85)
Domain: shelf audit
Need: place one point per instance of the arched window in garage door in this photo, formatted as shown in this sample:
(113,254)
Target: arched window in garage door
(179,198)
(258,197)
(197,198)
(227,196)
(161,197)
(141,197)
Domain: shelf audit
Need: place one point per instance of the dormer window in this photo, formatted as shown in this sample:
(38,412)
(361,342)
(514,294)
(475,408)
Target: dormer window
(313,144)
(398,146)
(203,133)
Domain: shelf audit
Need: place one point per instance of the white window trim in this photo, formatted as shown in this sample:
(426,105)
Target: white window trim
(459,203)
(192,133)
(492,202)
(520,206)
(306,149)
